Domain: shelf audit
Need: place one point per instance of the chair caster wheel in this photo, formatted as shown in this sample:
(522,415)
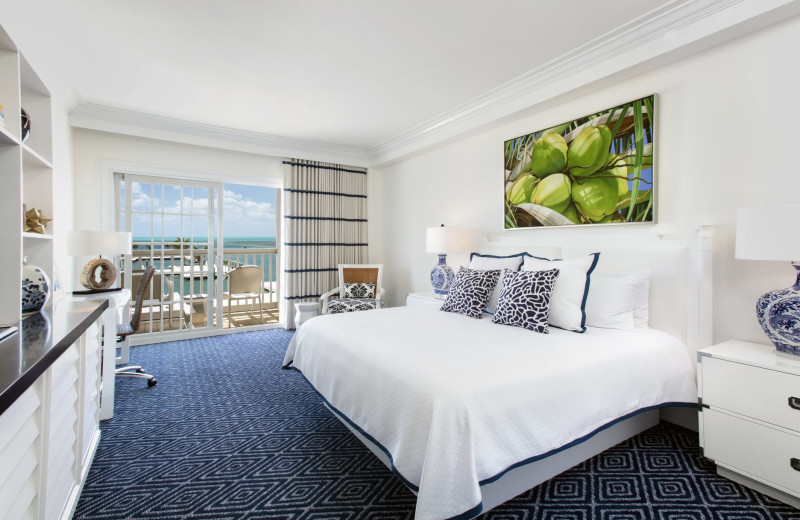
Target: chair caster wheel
(140,370)
(151,382)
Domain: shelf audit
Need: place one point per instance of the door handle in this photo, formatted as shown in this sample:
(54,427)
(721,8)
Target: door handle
(794,402)
(795,463)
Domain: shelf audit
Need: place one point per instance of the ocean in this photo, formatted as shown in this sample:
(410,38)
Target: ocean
(198,285)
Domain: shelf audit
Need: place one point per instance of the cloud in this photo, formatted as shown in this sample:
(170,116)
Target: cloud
(243,216)
(238,209)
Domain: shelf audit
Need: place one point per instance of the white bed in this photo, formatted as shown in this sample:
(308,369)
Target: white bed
(468,413)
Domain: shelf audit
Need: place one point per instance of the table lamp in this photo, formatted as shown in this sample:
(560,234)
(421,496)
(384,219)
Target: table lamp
(100,273)
(770,233)
(442,240)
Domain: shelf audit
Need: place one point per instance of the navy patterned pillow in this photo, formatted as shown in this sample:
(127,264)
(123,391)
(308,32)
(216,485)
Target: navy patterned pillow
(359,290)
(470,292)
(525,299)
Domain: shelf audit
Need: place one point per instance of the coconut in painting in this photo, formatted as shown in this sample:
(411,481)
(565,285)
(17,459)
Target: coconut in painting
(597,169)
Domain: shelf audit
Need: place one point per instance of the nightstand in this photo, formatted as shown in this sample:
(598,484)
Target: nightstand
(424,298)
(750,416)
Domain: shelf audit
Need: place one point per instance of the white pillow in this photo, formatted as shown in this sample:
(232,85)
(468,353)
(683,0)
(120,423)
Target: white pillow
(613,299)
(493,263)
(568,301)
(641,308)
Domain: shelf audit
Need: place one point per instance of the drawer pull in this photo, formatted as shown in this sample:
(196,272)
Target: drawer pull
(794,463)
(794,402)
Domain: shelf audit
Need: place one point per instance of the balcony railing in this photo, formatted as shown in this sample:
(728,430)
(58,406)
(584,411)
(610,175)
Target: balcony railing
(183,294)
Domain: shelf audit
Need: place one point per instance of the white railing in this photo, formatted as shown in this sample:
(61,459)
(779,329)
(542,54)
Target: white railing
(184,292)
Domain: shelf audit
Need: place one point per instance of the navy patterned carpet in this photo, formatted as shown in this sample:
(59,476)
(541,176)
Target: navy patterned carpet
(226,434)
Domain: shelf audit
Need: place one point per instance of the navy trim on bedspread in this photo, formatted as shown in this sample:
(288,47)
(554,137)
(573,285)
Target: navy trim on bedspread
(479,507)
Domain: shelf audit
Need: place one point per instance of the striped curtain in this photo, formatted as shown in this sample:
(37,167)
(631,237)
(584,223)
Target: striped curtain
(325,224)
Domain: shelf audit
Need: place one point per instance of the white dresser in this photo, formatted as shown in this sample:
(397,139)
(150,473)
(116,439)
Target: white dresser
(750,416)
(424,298)
(49,410)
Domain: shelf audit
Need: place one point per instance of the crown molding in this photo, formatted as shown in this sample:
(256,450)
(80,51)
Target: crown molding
(676,29)
(672,31)
(110,119)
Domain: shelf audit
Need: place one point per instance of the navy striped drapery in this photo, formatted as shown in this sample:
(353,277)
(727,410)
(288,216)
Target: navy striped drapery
(325,224)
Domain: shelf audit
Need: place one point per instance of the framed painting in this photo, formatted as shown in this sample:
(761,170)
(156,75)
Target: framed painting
(597,169)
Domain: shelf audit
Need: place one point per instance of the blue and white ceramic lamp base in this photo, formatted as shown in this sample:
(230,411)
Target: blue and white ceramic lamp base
(779,315)
(442,276)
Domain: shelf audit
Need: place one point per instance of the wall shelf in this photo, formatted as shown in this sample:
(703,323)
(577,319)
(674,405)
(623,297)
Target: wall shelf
(26,175)
(6,137)
(37,236)
(32,159)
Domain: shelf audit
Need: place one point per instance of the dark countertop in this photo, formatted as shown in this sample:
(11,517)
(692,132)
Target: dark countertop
(40,340)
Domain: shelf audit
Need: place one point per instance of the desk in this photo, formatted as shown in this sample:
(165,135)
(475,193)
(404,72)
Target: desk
(118,310)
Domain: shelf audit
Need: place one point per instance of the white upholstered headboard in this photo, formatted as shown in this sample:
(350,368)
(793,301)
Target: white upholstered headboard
(681,275)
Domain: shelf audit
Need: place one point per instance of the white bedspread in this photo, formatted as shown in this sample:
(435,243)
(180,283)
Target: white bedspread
(457,400)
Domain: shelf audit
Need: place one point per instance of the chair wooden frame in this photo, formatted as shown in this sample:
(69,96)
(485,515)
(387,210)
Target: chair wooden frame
(355,273)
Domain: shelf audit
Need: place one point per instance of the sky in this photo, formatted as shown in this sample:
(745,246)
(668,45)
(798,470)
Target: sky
(248,211)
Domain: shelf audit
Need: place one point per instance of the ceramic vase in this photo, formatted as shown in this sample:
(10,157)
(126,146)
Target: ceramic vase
(779,315)
(442,276)
(36,288)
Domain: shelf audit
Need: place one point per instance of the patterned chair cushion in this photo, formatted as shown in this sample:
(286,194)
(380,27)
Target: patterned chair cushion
(359,290)
(525,299)
(470,292)
(353,305)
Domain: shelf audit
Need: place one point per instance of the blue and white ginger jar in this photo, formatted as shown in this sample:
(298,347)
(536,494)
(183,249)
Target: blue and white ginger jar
(779,315)
(36,288)
(442,276)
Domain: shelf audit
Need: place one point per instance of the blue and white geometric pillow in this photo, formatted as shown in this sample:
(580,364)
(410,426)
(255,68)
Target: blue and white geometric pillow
(359,290)
(470,292)
(525,299)
(343,305)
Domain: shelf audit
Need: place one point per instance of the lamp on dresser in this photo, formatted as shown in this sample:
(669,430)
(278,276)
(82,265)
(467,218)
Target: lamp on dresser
(770,233)
(100,273)
(442,240)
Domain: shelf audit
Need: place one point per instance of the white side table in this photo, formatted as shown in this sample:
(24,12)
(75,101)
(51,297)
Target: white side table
(304,311)
(750,416)
(424,298)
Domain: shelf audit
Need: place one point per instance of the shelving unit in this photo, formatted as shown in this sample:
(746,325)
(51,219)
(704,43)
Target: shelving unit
(26,174)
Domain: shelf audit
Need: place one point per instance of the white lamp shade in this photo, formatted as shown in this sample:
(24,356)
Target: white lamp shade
(450,240)
(93,243)
(768,233)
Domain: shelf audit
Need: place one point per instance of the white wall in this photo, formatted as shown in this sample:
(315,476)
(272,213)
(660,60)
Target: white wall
(92,150)
(727,137)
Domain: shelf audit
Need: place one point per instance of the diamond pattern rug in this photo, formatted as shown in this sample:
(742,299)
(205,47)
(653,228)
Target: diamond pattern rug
(226,434)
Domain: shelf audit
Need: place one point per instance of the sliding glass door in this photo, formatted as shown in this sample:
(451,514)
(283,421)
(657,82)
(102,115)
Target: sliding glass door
(177,228)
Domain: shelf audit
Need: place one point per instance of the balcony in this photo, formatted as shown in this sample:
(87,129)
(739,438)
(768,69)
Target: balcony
(183,292)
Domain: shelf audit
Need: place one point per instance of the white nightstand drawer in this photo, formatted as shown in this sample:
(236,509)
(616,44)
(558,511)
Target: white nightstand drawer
(752,391)
(761,451)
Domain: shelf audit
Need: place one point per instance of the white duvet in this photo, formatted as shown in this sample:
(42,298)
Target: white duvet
(456,400)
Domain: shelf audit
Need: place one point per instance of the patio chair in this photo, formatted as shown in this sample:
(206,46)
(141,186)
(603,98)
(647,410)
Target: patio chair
(245,283)
(359,289)
(163,298)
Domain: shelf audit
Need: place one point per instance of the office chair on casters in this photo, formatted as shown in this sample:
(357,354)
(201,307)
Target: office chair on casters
(126,329)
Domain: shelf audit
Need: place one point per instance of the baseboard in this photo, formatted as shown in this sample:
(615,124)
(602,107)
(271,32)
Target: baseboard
(681,415)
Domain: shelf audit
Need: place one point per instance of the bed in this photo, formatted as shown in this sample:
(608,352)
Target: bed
(468,413)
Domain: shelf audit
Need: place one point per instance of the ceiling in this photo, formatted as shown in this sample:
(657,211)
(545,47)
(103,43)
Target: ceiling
(349,73)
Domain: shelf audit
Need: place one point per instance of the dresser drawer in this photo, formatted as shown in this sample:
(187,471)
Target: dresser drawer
(761,451)
(752,391)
